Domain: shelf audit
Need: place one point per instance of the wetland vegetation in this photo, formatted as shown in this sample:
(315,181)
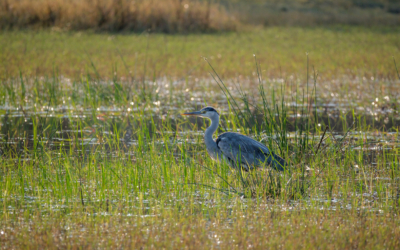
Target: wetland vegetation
(95,154)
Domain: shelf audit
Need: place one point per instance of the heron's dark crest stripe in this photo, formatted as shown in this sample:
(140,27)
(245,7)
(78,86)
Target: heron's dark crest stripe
(210,109)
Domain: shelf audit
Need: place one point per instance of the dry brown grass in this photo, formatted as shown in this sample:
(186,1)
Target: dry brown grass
(116,15)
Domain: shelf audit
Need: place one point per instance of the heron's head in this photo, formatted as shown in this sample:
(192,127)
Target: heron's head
(207,112)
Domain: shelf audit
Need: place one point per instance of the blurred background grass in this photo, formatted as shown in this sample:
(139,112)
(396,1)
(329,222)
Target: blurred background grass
(316,12)
(168,16)
(169,37)
(173,16)
(333,51)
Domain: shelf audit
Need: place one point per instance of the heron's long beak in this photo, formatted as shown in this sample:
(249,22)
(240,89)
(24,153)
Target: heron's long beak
(192,113)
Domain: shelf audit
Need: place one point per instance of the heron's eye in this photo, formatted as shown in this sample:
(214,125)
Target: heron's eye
(203,111)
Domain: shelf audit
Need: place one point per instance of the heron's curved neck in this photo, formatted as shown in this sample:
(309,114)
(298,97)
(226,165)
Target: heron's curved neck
(208,136)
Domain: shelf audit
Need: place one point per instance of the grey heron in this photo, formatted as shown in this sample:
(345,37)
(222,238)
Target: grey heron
(239,150)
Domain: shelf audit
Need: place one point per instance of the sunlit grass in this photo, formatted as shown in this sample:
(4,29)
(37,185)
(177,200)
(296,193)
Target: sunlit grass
(106,165)
(333,51)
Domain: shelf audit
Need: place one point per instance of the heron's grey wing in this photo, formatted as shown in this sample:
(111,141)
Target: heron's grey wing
(244,150)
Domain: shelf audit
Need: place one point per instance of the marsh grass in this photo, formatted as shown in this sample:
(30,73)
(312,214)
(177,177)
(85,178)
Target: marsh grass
(102,163)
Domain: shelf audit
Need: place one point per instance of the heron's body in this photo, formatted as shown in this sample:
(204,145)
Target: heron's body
(239,150)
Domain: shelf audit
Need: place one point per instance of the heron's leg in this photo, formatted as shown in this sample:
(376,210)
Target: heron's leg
(239,168)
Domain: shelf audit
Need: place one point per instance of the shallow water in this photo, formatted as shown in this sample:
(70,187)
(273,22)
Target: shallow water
(104,116)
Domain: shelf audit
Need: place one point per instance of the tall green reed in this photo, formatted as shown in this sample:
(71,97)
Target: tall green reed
(156,162)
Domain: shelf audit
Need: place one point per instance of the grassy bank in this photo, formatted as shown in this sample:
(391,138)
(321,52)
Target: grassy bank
(333,51)
(170,16)
(253,227)
(178,16)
